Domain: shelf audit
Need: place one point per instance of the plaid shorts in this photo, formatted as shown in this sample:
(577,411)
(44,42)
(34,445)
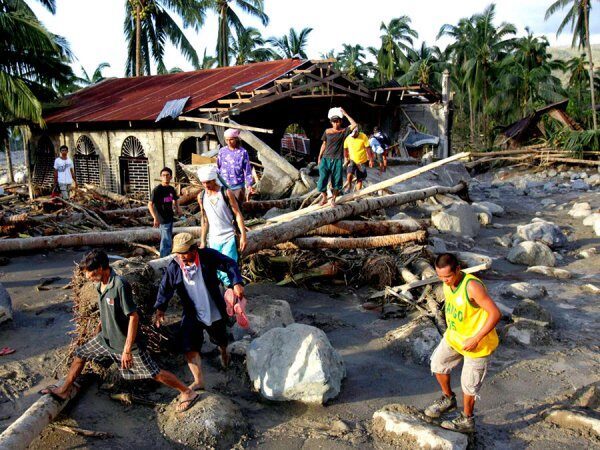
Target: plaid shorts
(143,366)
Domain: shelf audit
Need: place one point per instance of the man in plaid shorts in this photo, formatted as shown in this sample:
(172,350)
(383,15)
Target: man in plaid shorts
(116,340)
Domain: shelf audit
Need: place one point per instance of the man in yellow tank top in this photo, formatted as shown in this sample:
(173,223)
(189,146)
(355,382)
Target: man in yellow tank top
(471,318)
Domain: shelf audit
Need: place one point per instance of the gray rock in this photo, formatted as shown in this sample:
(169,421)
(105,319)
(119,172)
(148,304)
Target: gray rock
(531,253)
(594,180)
(264,313)
(213,422)
(575,421)
(439,245)
(489,207)
(458,219)
(238,349)
(552,173)
(591,288)
(549,187)
(542,231)
(484,218)
(582,209)
(597,227)
(417,339)
(587,253)
(580,185)
(525,290)
(6,310)
(526,333)
(295,363)
(547,202)
(402,428)
(551,272)
(529,311)
(503,241)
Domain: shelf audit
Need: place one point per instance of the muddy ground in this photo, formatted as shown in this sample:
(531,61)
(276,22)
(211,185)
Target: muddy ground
(521,384)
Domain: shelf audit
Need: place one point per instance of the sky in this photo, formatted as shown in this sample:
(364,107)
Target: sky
(94,28)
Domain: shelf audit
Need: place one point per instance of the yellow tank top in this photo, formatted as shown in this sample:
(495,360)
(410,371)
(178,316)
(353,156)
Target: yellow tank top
(464,320)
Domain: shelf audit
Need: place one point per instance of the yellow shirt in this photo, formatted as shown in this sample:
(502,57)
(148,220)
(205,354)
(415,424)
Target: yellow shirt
(357,148)
(464,320)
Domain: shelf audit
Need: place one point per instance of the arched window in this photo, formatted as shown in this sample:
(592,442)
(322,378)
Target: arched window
(132,148)
(85,146)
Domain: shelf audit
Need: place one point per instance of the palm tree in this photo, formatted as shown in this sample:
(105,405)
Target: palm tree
(578,16)
(425,66)
(96,77)
(208,62)
(249,47)
(149,25)
(352,62)
(291,45)
(34,64)
(394,44)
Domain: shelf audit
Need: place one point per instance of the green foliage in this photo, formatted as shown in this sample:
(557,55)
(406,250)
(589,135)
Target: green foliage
(292,45)
(249,47)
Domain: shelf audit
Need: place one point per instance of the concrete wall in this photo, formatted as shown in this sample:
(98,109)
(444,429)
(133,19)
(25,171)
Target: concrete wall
(434,120)
(161,147)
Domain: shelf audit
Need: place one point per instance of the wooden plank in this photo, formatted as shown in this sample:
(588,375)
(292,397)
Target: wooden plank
(373,188)
(199,159)
(284,81)
(233,101)
(212,109)
(224,124)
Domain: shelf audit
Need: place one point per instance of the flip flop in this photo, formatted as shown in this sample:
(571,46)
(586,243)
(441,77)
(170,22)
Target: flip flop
(189,402)
(240,314)
(6,351)
(229,297)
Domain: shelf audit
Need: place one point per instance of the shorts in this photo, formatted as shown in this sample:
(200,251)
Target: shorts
(331,168)
(192,334)
(445,358)
(143,365)
(360,170)
(379,156)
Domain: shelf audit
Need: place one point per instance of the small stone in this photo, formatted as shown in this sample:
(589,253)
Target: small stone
(582,209)
(492,208)
(529,311)
(547,202)
(526,333)
(552,173)
(592,218)
(580,185)
(550,272)
(587,253)
(589,397)
(339,426)
(484,218)
(591,288)
(502,241)
(525,290)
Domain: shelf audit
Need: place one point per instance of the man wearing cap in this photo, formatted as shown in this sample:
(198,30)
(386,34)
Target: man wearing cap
(162,202)
(356,153)
(193,275)
(64,173)
(233,165)
(331,155)
(220,213)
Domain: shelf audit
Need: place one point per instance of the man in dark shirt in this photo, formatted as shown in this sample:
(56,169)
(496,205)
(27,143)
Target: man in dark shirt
(161,204)
(192,274)
(331,156)
(117,339)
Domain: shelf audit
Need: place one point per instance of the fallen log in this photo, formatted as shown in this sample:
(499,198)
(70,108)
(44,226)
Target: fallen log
(372,188)
(368,227)
(271,235)
(558,159)
(31,423)
(100,238)
(190,196)
(326,270)
(423,269)
(265,205)
(308,243)
(111,195)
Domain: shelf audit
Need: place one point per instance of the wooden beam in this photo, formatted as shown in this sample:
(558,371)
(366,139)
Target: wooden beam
(233,101)
(212,109)
(283,81)
(224,124)
(371,189)
(339,86)
(320,96)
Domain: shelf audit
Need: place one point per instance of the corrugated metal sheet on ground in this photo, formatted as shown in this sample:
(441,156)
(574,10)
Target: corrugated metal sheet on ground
(142,98)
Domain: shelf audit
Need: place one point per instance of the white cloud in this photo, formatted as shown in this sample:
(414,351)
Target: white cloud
(95,28)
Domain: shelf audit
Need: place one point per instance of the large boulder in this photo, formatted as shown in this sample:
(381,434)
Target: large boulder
(264,313)
(591,219)
(295,363)
(531,253)
(542,231)
(525,290)
(417,339)
(526,333)
(458,219)
(213,422)
(402,427)
(489,207)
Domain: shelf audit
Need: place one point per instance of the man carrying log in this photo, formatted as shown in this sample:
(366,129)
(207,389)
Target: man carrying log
(356,154)
(331,154)
(220,216)
(64,172)
(164,199)
(471,317)
(117,339)
(193,275)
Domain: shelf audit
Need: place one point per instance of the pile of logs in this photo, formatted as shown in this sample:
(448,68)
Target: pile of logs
(534,155)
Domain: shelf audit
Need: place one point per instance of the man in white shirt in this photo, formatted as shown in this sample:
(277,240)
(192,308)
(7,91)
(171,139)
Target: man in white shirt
(64,172)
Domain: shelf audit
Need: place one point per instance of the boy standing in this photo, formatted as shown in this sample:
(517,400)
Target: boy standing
(163,200)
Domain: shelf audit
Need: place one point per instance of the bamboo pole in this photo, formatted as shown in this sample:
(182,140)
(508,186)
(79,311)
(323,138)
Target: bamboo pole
(372,188)
(390,240)
(100,238)
(271,235)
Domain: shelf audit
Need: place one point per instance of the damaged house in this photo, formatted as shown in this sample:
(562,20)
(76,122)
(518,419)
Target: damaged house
(122,131)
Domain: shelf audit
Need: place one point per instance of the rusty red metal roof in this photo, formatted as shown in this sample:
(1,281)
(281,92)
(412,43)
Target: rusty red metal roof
(142,98)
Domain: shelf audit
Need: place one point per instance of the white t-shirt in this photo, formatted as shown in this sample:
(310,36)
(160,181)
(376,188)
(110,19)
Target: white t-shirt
(206,310)
(63,167)
(376,145)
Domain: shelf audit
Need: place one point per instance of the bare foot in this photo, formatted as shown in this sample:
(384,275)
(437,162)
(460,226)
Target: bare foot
(196,386)
(58,392)
(323,201)
(225,359)
(333,203)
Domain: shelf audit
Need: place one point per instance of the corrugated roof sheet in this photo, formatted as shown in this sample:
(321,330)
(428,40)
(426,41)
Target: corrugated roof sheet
(142,98)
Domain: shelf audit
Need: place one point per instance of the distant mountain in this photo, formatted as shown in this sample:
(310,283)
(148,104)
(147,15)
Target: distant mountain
(566,53)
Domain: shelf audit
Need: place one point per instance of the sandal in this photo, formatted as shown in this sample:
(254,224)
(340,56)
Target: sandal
(240,314)
(190,402)
(229,297)
(7,351)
